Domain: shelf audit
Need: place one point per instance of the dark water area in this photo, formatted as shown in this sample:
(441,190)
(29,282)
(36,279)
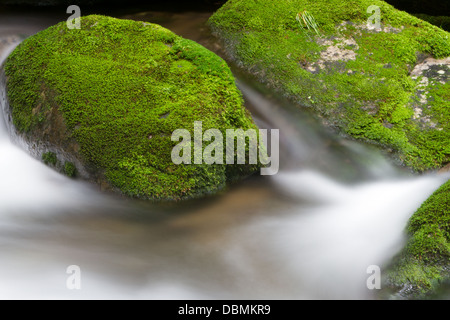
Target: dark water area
(311,231)
(430,7)
(111,6)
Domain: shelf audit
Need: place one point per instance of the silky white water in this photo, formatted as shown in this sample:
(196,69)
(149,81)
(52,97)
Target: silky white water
(304,233)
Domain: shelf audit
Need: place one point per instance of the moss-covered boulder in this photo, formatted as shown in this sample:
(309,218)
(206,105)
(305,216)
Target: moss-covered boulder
(385,84)
(101,102)
(424,263)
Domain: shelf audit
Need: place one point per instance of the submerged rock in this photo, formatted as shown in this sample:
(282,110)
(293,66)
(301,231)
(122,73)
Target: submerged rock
(101,102)
(362,79)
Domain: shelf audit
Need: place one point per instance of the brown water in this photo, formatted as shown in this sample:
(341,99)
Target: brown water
(311,231)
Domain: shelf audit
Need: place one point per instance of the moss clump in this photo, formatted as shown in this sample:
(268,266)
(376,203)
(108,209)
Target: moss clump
(50,159)
(111,93)
(424,262)
(70,170)
(368,93)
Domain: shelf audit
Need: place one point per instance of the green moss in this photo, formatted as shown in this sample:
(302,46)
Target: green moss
(122,87)
(70,170)
(430,226)
(50,159)
(369,98)
(424,261)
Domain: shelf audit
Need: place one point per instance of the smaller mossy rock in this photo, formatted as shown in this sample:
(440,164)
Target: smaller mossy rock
(424,263)
(357,77)
(107,97)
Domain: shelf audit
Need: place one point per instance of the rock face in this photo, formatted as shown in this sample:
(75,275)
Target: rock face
(102,102)
(385,84)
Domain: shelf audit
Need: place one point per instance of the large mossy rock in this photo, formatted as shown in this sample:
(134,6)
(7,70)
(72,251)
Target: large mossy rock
(424,263)
(386,85)
(105,99)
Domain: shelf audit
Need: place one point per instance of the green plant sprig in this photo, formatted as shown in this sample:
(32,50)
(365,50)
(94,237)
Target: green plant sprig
(309,22)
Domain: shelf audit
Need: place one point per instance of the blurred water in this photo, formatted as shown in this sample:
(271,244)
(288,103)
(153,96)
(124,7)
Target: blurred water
(309,232)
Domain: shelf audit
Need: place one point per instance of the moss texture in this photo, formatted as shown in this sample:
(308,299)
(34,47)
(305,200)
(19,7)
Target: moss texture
(50,159)
(425,262)
(112,93)
(369,93)
(70,170)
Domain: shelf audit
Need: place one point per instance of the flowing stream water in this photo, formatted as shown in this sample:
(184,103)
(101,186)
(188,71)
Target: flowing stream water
(310,232)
